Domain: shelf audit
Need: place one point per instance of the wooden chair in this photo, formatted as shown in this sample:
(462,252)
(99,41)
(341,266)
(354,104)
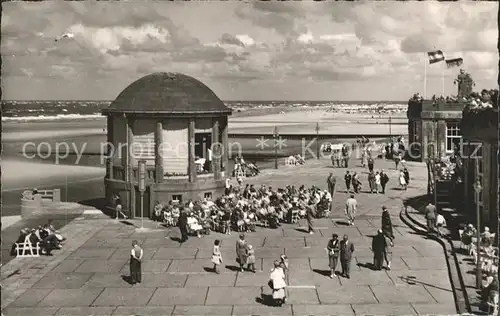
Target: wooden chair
(26,250)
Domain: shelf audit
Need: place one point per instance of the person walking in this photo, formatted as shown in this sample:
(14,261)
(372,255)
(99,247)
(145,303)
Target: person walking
(251,259)
(346,251)
(406,174)
(333,250)
(384,178)
(216,256)
(430,216)
(345,155)
(378,184)
(389,243)
(310,219)
(241,251)
(371,181)
(347,179)
(371,164)
(350,209)
(402,181)
(378,248)
(182,222)
(387,223)
(331,181)
(278,284)
(135,263)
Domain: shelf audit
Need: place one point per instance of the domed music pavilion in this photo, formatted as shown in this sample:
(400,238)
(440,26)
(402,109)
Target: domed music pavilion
(169,121)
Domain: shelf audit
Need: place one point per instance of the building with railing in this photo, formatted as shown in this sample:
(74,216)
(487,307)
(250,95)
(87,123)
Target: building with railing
(172,122)
(480,130)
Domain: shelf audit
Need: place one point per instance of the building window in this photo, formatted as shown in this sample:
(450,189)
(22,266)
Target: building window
(177,198)
(453,136)
(208,195)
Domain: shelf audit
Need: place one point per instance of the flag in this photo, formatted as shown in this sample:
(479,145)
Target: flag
(435,56)
(455,62)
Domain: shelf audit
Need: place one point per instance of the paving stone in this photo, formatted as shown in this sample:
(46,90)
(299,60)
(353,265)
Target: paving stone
(233,295)
(196,265)
(397,264)
(100,266)
(285,242)
(368,277)
(102,280)
(293,264)
(228,253)
(29,298)
(441,294)
(401,293)
(383,309)
(143,310)
(152,266)
(182,310)
(124,297)
(70,297)
(435,309)
(296,232)
(68,265)
(322,310)
(423,263)
(206,280)
(346,295)
(312,278)
(160,243)
(153,280)
(261,310)
(421,277)
(84,311)
(311,252)
(23,311)
(302,296)
(124,254)
(70,280)
(252,279)
(175,253)
(179,296)
(92,253)
(405,252)
(322,264)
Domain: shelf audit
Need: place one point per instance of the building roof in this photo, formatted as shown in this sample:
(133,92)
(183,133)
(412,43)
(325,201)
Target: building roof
(167,93)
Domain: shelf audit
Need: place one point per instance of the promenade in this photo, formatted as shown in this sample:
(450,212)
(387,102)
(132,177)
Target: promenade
(88,276)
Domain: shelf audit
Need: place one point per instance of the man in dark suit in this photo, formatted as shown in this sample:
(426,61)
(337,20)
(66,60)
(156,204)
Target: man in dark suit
(346,250)
(182,222)
(331,181)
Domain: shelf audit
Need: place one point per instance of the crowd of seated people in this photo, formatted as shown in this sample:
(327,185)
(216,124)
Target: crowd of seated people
(243,208)
(295,160)
(249,169)
(46,236)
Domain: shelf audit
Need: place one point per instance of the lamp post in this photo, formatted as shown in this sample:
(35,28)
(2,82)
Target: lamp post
(317,140)
(479,277)
(276,136)
(390,125)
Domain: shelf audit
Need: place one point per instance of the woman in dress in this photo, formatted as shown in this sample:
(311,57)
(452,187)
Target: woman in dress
(402,181)
(216,256)
(135,263)
(278,284)
(241,251)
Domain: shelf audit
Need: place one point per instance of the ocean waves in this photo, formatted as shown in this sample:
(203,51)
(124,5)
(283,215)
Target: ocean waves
(20,111)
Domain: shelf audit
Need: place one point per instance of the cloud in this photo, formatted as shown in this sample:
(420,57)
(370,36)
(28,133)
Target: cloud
(303,49)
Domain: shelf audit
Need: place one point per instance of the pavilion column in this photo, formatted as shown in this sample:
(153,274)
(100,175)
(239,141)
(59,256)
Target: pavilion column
(110,148)
(159,152)
(130,168)
(225,146)
(216,149)
(191,153)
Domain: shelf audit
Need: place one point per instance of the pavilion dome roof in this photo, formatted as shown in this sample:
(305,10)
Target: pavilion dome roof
(168,93)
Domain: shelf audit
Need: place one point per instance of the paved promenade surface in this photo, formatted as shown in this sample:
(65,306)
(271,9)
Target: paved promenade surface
(88,277)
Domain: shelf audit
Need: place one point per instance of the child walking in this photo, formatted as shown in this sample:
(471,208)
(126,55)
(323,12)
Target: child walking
(216,256)
(251,259)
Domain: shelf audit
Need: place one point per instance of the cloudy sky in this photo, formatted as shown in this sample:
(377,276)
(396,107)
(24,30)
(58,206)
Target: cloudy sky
(245,51)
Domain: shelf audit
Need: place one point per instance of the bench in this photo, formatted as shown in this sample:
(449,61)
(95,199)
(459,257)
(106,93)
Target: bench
(26,250)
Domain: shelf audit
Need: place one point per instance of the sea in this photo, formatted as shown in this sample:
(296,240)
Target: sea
(88,109)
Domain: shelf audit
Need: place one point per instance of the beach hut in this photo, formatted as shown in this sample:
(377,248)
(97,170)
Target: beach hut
(170,121)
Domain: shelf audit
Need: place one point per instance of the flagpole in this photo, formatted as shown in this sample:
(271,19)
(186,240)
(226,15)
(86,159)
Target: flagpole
(442,80)
(425,79)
